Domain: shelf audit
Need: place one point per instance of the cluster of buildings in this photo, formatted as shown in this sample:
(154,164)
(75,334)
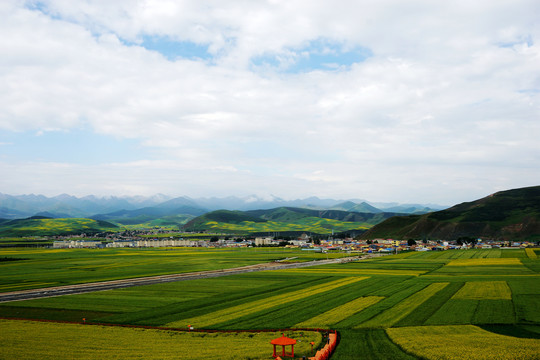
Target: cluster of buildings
(304,242)
(81,243)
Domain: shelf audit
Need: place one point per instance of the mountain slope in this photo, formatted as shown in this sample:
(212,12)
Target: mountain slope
(507,215)
(286,219)
(363,207)
(44,226)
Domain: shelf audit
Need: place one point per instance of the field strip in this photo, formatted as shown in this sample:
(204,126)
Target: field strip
(359,271)
(341,312)
(456,342)
(263,304)
(530,253)
(485,262)
(399,311)
(484,290)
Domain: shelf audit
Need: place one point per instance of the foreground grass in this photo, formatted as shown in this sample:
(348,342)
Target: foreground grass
(40,340)
(463,342)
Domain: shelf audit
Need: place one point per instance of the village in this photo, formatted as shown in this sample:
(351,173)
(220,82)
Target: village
(304,242)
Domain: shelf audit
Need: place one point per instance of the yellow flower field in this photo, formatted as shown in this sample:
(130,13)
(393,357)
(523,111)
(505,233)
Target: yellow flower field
(458,342)
(484,290)
(340,313)
(40,340)
(485,262)
(530,253)
(357,271)
(235,312)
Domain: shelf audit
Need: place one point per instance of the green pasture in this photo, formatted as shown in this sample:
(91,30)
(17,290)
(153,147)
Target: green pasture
(493,288)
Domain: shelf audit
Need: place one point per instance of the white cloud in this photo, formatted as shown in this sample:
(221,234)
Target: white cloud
(450,88)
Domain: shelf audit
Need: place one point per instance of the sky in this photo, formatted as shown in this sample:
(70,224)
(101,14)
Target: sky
(415,101)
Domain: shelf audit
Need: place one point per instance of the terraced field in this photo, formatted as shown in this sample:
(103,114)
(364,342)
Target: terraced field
(399,307)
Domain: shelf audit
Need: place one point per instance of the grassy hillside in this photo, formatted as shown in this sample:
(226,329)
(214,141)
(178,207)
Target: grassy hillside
(512,214)
(285,219)
(51,227)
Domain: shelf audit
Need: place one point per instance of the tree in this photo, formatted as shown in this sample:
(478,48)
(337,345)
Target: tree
(411,242)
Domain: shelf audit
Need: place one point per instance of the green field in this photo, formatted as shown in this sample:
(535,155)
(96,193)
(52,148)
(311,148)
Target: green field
(374,304)
(34,268)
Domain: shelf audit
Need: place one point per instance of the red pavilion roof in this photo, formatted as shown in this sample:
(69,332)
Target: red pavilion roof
(283,340)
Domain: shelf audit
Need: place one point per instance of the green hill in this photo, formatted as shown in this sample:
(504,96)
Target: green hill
(285,219)
(44,226)
(505,215)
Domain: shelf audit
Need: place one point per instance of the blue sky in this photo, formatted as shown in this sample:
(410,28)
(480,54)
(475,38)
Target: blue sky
(415,101)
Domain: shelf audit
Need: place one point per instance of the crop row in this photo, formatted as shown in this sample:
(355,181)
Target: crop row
(247,308)
(291,313)
(397,293)
(405,307)
(340,313)
(215,295)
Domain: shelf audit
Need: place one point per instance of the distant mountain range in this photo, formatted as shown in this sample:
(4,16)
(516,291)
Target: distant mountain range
(507,215)
(130,208)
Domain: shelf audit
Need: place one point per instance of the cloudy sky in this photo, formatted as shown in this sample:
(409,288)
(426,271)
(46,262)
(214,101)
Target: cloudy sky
(408,101)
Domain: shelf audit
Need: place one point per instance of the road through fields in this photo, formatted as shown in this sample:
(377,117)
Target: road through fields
(124,283)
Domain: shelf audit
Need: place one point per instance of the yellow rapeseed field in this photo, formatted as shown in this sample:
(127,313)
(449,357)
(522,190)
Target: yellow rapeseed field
(235,312)
(484,290)
(530,253)
(40,340)
(340,313)
(456,342)
(485,262)
(358,271)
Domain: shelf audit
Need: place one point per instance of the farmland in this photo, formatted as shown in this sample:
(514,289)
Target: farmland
(90,342)
(386,307)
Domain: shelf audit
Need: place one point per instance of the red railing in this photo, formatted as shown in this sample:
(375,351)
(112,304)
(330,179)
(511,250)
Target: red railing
(328,349)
